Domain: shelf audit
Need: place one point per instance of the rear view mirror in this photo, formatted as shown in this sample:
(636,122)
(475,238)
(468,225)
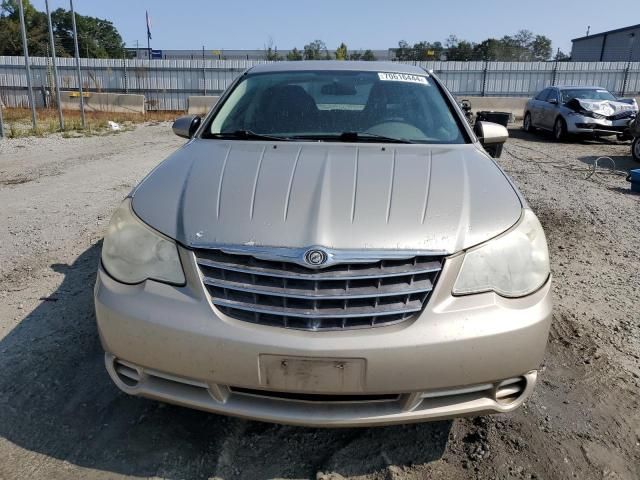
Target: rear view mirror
(338,88)
(492,136)
(186,126)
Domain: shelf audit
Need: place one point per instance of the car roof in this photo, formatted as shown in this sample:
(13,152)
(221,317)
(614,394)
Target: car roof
(579,87)
(328,65)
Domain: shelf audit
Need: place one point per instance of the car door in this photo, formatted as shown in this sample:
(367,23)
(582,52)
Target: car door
(550,109)
(537,107)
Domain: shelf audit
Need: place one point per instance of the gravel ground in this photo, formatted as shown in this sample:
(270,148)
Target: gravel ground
(61,418)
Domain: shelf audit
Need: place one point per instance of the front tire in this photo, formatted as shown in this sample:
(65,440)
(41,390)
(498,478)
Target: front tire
(635,149)
(526,123)
(559,129)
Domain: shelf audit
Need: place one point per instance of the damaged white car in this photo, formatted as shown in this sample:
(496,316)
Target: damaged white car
(580,110)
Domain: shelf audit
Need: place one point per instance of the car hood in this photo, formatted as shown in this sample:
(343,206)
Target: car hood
(341,196)
(605,108)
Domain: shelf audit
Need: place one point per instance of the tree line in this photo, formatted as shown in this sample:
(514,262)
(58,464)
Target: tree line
(317,50)
(523,46)
(97,38)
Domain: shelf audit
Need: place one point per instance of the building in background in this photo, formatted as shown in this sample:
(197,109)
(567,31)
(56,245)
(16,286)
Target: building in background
(620,45)
(210,54)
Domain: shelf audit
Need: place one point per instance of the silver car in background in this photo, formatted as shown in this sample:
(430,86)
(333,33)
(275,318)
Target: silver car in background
(566,110)
(333,246)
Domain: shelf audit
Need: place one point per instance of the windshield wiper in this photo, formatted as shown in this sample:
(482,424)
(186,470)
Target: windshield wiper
(353,137)
(248,135)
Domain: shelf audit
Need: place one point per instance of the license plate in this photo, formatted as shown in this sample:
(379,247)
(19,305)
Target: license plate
(314,375)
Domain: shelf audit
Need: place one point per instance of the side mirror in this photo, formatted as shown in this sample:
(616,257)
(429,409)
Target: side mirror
(186,126)
(553,101)
(492,136)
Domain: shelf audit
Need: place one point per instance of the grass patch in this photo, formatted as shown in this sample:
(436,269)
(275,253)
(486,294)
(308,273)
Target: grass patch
(18,122)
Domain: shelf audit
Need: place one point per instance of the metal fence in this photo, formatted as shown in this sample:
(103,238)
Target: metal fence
(166,84)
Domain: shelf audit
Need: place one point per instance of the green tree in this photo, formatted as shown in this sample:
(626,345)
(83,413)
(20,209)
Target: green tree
(541,48)
(272,55)
(427,51)
(460,50)
(10,36)
(488,50)
(97,37)
(368,56)
(294,55)
(420,51)
(271,51)
(342,53)
(403,52)
(561,56)
(524,46)
(316,50)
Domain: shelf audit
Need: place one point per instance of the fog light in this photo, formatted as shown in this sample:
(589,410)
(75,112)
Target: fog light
(509,391)
(127,374)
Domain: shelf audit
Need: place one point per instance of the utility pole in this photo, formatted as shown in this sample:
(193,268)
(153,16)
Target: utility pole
(25,48)
(55,67)
(75,42)
(625,81)
(204,74)
(485,70)
(146,14)
(1,122)
(555,68)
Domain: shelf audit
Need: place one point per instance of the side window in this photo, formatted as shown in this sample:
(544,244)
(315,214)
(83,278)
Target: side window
(543,94)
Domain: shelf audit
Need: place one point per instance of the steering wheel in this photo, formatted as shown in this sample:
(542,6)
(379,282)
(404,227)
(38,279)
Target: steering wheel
(395,128)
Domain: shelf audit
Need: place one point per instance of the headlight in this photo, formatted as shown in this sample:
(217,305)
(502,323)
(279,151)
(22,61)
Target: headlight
(132,252)
(512,265)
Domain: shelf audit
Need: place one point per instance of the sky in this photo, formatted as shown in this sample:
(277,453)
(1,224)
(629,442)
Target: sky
(361,24)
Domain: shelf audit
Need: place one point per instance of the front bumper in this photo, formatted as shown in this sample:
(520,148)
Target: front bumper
(461,356)
(579,124)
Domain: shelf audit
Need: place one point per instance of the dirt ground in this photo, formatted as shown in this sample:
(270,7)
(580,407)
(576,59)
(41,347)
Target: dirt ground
(62,418)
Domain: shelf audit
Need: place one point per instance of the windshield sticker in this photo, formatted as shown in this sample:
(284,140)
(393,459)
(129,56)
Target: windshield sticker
(403,77)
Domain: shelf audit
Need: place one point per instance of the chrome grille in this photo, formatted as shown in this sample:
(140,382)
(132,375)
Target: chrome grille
(340,296)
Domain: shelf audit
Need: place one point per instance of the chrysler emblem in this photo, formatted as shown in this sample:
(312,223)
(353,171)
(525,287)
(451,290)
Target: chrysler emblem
(315,257)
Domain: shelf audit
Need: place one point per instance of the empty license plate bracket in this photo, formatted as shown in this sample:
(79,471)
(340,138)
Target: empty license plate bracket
(312,375)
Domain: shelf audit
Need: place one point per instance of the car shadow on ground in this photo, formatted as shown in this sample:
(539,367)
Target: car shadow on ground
(57,400)
(542,136)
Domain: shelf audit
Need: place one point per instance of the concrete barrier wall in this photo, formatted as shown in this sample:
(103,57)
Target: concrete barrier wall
(104,102)
(200,104)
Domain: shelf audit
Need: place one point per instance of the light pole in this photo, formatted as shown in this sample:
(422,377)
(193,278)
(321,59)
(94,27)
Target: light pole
(25,49)
(1,122)
(55,66)
(77,52)
(625,82)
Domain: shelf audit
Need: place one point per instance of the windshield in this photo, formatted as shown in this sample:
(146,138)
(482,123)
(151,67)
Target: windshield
(324,105)
(586,94)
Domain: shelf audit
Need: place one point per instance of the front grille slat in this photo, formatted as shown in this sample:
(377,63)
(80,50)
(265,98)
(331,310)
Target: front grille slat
(341,296)
(328,294)
(431,267)
(401,308)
